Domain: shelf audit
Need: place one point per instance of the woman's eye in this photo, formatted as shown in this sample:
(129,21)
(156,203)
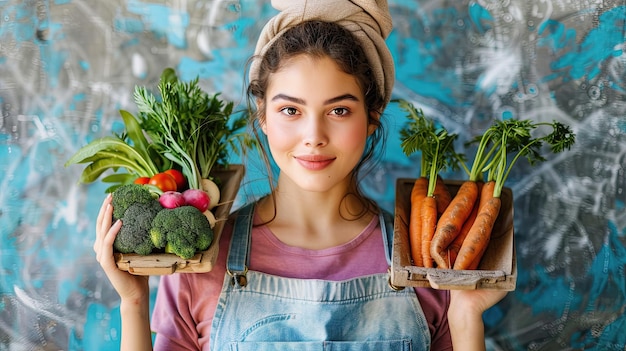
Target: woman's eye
(340,111)
(290,111)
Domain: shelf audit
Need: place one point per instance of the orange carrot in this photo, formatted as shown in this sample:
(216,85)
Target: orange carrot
(476,262)
(486,194)
(455,246)
(478,237)
(429,222)
(437,152)
(442,195)
(505,137)
(452,220)
(418,193)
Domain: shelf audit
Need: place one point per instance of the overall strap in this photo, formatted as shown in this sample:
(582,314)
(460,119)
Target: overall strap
(386,227)
(239,251)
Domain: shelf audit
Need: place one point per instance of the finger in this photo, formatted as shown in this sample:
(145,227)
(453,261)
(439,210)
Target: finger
(105,252)
(104,224)
(106,202)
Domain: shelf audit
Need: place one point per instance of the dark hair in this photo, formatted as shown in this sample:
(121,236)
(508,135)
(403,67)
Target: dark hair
(321,39)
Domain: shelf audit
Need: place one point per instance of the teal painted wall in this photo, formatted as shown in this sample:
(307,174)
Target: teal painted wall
(67,67)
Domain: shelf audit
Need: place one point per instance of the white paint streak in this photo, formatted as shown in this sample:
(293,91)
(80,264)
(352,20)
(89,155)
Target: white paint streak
(43,307)
(139,66)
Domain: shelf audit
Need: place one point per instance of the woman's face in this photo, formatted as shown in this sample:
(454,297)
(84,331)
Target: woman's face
(316,122)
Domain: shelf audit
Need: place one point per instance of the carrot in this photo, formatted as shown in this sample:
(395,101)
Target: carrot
(478,237)
(418,193)
(429,223)
(437,152)
(455,246)
(476,262)
(506,136)
(452,220)
(442,195)
(486,192)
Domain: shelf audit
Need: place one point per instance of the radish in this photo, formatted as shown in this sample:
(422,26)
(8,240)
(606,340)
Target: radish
(213,190)
(197,198)
(172,199)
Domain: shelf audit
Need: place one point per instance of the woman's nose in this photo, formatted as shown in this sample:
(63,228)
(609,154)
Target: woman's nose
(315,133)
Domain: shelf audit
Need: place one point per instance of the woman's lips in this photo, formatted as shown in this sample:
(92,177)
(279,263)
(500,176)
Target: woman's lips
(314,162)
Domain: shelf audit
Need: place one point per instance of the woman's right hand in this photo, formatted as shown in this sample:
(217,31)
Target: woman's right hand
(130,287)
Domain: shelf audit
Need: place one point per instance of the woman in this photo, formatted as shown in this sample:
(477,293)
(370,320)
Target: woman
(305,267)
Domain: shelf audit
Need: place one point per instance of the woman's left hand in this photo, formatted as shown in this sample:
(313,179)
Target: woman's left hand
(465,317)
(474,301)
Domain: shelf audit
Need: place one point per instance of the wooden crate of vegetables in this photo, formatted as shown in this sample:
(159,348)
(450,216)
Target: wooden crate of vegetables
(171,183)
(159,262)
(459,234)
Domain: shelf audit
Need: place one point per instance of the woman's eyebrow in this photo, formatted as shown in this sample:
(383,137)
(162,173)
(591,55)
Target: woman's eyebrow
(303,102)
(341,98)
(288,98)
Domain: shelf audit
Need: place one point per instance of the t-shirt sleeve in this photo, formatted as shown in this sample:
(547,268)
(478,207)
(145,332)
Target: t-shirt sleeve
(186,302)
(435,306)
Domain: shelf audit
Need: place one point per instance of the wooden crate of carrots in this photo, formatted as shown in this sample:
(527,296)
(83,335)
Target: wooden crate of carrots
(459,234)
(496,270)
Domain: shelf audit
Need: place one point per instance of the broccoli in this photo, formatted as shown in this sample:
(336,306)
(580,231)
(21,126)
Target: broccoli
(182,231)
(134,236)
(128,194)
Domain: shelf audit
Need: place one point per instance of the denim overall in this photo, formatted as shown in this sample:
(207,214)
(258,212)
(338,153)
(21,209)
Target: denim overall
(259,312)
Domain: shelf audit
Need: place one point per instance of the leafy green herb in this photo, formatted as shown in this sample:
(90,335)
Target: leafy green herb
(435,144)
(514,137)
(111,153)
(188,126)
(185,127)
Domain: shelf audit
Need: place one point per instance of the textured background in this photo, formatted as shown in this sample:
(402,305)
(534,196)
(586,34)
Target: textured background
(68,66)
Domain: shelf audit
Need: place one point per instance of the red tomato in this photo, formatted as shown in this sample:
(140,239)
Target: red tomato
(181,182)
(142,180)
(163,181)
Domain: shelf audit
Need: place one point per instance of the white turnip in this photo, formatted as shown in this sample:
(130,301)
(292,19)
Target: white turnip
(211,217)
(212,190)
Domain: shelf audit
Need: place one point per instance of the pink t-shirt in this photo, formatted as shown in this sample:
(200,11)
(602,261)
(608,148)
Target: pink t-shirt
(186,302)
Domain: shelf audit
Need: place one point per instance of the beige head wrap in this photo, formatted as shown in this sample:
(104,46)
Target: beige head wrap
(368,20)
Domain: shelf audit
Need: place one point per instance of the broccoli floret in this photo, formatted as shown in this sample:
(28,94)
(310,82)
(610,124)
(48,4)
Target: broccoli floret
(182,231)
(134,236)
(128,194)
